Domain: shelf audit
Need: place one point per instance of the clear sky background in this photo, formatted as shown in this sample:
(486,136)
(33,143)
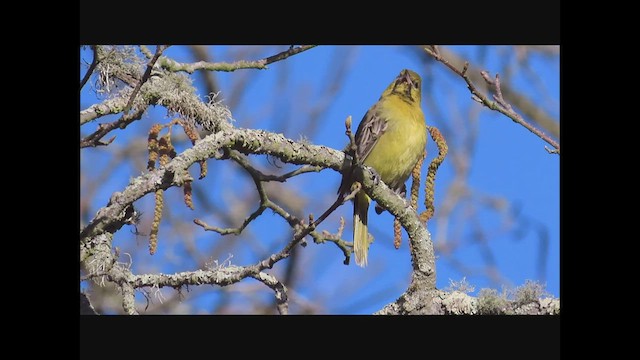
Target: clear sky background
(509,235)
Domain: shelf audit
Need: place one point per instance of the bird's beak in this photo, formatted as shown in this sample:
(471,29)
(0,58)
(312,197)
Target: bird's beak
(404,77)
(407,78)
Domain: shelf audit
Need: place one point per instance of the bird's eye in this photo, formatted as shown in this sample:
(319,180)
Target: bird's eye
(416,84)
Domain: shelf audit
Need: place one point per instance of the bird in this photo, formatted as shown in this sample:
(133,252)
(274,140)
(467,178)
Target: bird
(391,138)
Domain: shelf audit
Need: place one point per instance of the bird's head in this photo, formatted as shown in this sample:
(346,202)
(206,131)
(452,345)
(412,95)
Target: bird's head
(406,85)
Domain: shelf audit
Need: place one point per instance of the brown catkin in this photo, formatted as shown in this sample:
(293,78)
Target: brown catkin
(164,149)
(397,233)
(155,225)
(415,183)
(431,173)
(152,146)
(190,131)
(188,196)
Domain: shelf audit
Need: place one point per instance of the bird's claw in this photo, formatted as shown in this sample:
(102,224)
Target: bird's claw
(376,176)
(402,192)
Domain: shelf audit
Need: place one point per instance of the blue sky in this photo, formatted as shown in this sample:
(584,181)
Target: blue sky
(507,163)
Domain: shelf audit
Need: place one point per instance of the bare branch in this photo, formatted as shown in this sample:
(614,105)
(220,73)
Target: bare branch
(201,53)
(499,105)
(171,65)
(530,110)
(346,247)
(85,305)
(94,62)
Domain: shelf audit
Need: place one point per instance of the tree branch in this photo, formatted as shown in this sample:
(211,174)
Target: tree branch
(520,101)
(102,263)
(93,140)
(172,65)
(459,303)
(243,140)
(279,289)
(109,106)
(145,76)
(85,305)
(113,216)
(94,62)
(175,92)
(500,105)
(421,247)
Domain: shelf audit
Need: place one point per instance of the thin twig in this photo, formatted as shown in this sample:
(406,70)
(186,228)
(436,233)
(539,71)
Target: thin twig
(93,65)
(227,231)
(244,162)
(201,53)
(339,201)
(265,202)
(175,66)
(346,247)
(145,77)
(93,139)
(301,170)
(285,54)
(500,105)
(258,178)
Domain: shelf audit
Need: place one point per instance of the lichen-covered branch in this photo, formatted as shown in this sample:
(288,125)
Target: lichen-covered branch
(278,288)
(438,302)
(423,275)
(173,91)
(107,107)
(175,172)
(101,264)
(113,216)
(145,76)
(95,138)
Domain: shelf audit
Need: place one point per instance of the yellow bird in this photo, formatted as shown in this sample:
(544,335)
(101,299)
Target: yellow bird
(391,138)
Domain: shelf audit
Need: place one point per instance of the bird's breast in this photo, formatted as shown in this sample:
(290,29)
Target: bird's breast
(402,144)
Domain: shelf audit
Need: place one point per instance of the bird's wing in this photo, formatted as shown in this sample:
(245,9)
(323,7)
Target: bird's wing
(371,127)
(369,131)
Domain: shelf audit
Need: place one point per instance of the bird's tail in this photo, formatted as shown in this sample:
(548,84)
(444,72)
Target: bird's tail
(360,232)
